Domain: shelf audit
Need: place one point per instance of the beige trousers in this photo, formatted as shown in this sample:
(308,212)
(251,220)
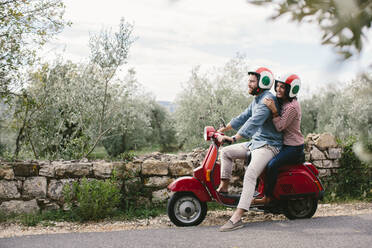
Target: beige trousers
(260,158)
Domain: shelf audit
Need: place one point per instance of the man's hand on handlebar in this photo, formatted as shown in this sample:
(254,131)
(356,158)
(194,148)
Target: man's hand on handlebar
(224,138)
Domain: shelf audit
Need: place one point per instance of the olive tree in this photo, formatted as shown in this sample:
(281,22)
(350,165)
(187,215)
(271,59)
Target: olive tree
(49,117)
(133,126)
(67,109)
(351,110)
(209,97)
(345,112)
(24,27)
(72,107)
(163,128)
(58,117)
(109,51)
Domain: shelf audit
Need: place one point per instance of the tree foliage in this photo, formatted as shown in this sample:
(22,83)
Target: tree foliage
(67,108)
(343,23)
(108,52)
(344,112)
(134,117)
(54,110)
(58,117)
(24,27)
(163,128)
(208,97)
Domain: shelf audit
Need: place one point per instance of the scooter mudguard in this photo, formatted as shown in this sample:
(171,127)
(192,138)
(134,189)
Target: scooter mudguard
(190,184)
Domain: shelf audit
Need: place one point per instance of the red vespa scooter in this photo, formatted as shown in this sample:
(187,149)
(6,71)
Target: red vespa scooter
(296,192)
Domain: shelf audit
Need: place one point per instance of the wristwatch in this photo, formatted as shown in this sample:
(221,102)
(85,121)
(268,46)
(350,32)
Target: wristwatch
(234,139)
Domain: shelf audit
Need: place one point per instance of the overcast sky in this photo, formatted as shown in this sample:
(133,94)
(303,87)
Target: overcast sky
(176,35)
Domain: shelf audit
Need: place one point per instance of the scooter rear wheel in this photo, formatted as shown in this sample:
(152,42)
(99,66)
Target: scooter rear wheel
(301,208)
(184,209)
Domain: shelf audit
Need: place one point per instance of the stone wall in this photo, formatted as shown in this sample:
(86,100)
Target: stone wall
(31,186)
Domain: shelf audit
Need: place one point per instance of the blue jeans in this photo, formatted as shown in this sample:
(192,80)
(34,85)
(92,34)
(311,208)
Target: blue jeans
(288,155)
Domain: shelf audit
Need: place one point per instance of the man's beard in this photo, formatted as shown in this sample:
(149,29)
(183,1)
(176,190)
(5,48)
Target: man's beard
(255,91)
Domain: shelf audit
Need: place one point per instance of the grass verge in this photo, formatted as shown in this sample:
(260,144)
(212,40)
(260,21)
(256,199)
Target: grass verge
(48,218)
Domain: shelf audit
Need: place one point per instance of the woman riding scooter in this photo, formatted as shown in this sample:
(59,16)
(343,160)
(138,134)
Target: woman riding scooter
(289,122)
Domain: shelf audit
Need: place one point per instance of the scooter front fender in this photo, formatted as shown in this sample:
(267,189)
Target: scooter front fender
(190,184)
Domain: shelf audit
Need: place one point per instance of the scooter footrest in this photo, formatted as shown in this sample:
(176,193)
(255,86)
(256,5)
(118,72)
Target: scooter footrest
(231,196)
(256,209)
(230,199)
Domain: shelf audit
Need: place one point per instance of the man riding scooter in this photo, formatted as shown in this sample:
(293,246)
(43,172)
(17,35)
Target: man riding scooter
(254,123)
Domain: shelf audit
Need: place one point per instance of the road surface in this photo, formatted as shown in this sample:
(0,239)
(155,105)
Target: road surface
(334,231)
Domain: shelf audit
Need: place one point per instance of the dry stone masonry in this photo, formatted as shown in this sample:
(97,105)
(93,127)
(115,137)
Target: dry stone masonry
(322,150)
(32,186)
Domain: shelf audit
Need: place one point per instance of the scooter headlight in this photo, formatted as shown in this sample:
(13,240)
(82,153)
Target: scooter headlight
(208,132)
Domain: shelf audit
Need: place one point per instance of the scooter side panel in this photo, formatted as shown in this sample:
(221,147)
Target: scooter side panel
(190,184)
(216,179)
(212,156)
(295,182)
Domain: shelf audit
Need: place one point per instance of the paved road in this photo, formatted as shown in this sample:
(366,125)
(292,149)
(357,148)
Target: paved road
(339,231)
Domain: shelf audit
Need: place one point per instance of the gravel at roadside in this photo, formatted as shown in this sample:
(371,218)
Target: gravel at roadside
(214,218)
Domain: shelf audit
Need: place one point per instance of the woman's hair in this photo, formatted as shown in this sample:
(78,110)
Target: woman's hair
(280,100)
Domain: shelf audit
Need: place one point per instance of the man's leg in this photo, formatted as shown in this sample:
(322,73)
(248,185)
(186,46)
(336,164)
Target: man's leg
(271,176)
(228,155)
(260,157)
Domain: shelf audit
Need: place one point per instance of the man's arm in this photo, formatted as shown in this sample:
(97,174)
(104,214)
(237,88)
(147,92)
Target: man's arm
(224,129)
(251,126)
(235,124)
(239,121)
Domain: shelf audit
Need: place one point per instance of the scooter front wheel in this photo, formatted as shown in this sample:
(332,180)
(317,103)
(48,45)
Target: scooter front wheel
(185,209)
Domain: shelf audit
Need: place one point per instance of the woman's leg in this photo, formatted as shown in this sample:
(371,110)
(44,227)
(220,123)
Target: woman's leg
(287,155)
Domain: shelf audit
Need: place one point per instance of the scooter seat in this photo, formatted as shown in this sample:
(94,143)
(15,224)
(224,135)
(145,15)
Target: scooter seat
(299,161)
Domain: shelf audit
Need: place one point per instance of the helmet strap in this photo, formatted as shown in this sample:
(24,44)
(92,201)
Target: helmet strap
(256,91)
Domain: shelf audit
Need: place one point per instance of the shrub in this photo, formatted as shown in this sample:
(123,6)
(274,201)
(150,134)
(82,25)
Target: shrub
(3,217)
(135,195)
(93,199)
(2,148)
(30,219)
(75,148)
(127,156)
(353,177)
